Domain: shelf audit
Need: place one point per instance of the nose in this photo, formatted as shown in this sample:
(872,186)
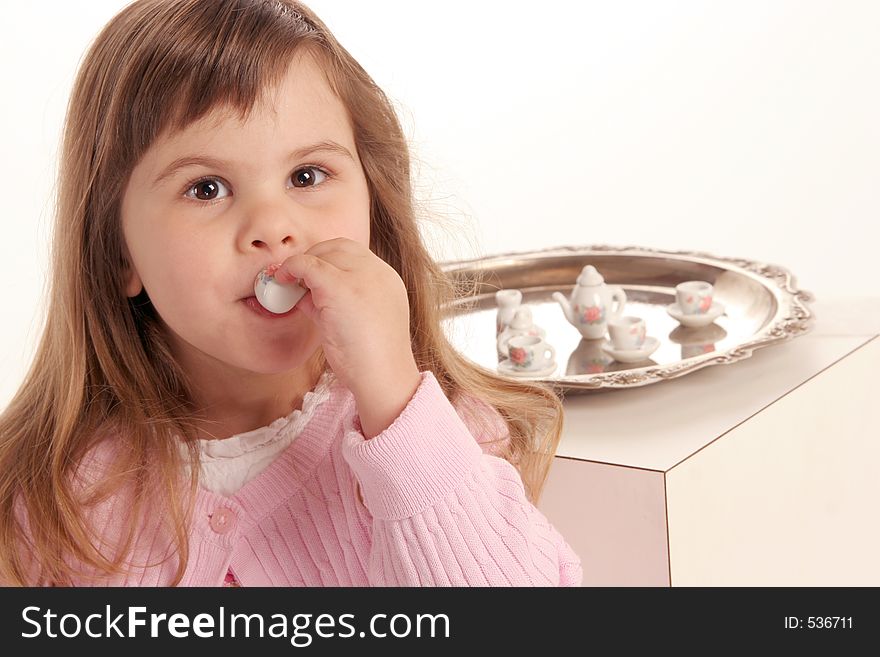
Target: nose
(272,226)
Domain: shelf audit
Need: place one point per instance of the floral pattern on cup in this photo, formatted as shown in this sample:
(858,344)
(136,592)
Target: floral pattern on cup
(589,314)
(627,332)
(694,297)
(639,332)
(530,352)
(520,357)
(702,304)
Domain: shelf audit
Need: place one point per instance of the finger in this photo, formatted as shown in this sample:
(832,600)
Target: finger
(341,251)
(335,244)
(307,306)
(315,273)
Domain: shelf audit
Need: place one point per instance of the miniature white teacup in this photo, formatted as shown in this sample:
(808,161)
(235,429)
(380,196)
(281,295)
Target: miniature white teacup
(530,352)
(521,324)
(694,297)
(627,332)
(274,296)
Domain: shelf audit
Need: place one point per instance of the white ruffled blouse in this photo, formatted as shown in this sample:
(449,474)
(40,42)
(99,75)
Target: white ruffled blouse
(229,463)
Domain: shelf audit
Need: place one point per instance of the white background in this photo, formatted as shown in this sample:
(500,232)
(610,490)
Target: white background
(744,129)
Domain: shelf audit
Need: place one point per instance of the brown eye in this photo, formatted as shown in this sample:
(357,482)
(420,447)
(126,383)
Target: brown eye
(205,190)
(308,177)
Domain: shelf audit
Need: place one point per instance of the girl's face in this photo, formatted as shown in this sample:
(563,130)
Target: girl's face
(209,207)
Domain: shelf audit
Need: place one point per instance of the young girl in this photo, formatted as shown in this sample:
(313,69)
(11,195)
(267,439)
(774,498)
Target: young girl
(170,432)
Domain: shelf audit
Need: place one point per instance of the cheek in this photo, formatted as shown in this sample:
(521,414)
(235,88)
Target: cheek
(355,225)
(363,231)
(358,216)
(184,279)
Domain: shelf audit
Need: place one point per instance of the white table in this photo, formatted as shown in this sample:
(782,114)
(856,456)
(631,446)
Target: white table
(760,472)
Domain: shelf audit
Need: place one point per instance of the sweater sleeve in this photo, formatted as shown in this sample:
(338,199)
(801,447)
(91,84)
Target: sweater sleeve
(444,512)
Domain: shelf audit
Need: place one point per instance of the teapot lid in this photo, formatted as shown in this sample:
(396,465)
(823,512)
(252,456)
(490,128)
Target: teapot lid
(590,276)
(522,318)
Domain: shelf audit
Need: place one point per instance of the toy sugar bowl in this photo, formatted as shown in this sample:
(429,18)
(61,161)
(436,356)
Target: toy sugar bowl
(521,324)
(508,301)
(590,306)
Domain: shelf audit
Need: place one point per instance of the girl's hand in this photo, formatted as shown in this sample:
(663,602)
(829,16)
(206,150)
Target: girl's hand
(359,304)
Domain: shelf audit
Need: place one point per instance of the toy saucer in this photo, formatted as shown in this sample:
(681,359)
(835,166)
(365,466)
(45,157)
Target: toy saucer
(506,367)
(631,355)
(695,321)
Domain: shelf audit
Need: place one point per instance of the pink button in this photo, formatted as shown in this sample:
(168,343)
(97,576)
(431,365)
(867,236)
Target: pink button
(222,520)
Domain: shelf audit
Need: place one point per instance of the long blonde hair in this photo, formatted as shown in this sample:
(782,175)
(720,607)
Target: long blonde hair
(103,361)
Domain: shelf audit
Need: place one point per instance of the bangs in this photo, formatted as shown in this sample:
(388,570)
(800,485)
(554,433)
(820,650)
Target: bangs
(193,58)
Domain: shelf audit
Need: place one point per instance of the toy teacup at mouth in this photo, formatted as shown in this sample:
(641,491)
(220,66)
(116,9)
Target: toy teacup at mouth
(274,296)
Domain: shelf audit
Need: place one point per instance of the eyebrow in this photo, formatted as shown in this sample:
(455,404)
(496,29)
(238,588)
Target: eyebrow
(327,146)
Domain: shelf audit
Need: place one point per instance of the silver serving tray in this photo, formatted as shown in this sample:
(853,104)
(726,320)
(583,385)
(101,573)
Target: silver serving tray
(762,307)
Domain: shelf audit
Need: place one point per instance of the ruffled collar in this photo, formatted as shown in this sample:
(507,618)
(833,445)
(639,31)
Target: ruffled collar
(288,426)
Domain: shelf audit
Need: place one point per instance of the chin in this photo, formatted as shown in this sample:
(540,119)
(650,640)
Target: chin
(280,358)
(274,365)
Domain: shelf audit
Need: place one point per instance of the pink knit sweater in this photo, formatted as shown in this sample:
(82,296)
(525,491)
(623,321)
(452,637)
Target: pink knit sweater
(438,509)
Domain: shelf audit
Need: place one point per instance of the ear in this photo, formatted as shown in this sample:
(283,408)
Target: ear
(133,284)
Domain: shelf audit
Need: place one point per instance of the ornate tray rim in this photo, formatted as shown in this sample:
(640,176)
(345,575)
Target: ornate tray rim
(792,317)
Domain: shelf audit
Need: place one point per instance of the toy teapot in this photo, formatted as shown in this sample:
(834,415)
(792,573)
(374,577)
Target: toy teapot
(589,307)
(521,324)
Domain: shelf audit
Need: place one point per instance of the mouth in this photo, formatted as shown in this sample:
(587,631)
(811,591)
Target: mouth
(255,306)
